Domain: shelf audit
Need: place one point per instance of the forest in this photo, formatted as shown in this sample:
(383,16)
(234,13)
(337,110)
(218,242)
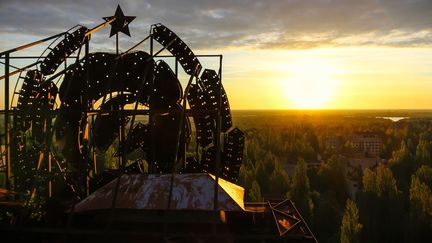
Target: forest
(286,156)
(393,202)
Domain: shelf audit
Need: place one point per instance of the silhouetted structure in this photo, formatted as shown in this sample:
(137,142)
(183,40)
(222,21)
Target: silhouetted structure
(57,130)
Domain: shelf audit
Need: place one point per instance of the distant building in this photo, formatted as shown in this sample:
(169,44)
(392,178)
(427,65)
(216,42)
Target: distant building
(333,142)
(369,144)
(364,144)
(364,153)
(353,171)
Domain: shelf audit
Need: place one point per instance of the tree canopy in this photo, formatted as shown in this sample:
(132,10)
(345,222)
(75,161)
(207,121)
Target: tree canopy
(351,228)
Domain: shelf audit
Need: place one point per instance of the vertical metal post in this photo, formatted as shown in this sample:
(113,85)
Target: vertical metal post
(218,138)
(65,55)
(151,166)
(122,158)
(6,122)
(121,128)
(117,43)
(49,173)
(151,45)
(121,144)
(8,160)
(47,154)
(86,102)
(93,145)
(183,132)
(121,137)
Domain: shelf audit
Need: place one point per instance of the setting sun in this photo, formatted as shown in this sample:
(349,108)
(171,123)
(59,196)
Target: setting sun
(311,83)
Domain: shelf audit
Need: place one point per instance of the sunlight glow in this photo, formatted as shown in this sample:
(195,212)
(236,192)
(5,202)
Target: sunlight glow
(311,83)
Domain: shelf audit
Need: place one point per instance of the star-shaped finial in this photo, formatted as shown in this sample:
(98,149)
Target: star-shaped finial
(120,23)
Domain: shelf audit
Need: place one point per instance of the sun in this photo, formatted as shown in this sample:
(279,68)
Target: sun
(311,83)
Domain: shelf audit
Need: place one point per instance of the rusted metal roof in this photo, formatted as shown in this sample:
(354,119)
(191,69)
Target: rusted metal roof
(190,192)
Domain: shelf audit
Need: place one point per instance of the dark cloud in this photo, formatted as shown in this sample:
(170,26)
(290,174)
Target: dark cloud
(243,23)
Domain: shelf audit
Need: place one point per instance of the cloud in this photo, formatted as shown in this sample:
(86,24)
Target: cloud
(207,24)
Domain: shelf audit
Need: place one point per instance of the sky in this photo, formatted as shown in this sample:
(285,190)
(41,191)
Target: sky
(293,54)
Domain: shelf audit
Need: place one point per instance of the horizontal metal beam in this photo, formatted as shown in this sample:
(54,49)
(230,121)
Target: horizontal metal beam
(19,70)
(31,44)
(202,55)
(10,65)
(31,57)
(35,57)
(127,112)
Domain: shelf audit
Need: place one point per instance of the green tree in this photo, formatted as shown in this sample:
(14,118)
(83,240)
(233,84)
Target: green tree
(420,216)
(381,182)
(423,152)
(402,155)
(350,228)
(279,182)
(381,204)
(265,173)
(333,179)
(403,164)
(420,196)
(424,173)
(246,174)
(327,216)
(385,181)
(300,190)
(255,192)
(369,182)
(253,150)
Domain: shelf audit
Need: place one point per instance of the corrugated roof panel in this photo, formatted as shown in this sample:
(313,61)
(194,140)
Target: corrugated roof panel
(190,192)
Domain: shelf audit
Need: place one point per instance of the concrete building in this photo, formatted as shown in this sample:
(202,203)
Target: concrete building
(365,153)
(368,144)
(334,142)
(353,171)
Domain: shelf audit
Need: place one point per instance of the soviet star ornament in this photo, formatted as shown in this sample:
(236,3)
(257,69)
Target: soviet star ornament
(120,23)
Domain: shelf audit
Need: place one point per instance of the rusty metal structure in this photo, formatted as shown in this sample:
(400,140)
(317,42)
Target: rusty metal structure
(71,108)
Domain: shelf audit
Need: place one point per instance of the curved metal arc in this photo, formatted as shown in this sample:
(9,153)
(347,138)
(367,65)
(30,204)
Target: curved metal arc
(143,82)
(15,89)
(44,154)
(64,33)
(77,61)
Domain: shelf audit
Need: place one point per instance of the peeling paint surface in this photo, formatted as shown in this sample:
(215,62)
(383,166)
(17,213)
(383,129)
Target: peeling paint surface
(190,191)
